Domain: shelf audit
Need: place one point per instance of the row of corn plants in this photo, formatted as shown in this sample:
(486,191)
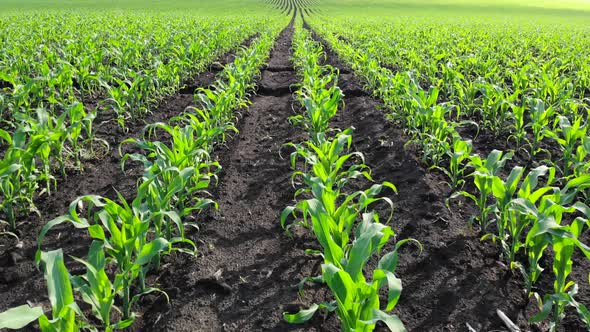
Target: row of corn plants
(534,211)
(533,215)
(128,62)
(41,146)
(128,68)
(529,91)
(346,226)
(129,239)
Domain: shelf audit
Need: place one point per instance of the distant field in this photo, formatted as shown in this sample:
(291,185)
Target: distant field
(209,7)
(576,11)
(575,8)
(552,11)
(238,165)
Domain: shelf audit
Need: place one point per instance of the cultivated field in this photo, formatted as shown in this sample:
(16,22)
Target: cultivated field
(294,165)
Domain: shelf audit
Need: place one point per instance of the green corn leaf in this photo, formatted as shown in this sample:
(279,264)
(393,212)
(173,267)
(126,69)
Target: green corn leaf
(392,321)
(150,250)
(369,242)
(58,280)
(545,310)
(9,169)
(47,227)
(96,232)
(19,317)
(341,284)
(394,286)
(579,183)
(123,324)
(389,261)
(302,316)
(285,214)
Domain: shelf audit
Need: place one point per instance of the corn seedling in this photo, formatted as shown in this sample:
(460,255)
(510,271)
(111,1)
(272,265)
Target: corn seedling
(483,178)
(458,156)
(569,136)
(319,93)
(357,300)
(124,229)
(541,117)
(66,316)
(327,161)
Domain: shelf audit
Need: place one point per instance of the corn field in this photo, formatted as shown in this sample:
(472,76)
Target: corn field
(295,165)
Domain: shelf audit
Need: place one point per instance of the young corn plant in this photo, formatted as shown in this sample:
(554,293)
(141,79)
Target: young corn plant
(357,301)
(564,240)
(427,123)
(510,222)
(435,135)
(546,212)
(503,192)
(321,104)
(483,178)
(221,102)
(581,162)
(177,173)
(18,178)
(66,316)
(124,230)
(319,93)
(458,156)
(541,117)
(569,135)
(46,138)
(80,132)
(495,108)
(97,290)
(518,127)
(547,231)
(15,198)
(336,209)
(327,161)
(307,54)
(161,192)
(208,134)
